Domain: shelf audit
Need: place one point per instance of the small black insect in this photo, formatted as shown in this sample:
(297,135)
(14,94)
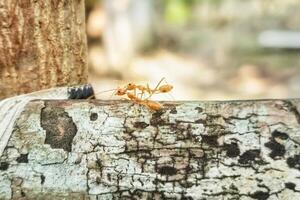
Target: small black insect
(80,92)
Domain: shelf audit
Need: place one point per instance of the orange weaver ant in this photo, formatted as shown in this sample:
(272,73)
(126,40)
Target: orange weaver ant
(130,92)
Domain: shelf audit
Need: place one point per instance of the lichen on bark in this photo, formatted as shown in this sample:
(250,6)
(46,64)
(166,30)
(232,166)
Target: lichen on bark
(187,150)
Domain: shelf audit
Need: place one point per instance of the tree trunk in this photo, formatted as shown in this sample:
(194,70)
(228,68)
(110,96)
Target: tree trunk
(187,150)
(43,44)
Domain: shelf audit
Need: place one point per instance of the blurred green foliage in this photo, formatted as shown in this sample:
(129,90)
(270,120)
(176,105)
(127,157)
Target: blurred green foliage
(226,27)
(177,12)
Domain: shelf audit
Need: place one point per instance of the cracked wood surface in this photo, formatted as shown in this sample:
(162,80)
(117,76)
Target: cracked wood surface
(187,150)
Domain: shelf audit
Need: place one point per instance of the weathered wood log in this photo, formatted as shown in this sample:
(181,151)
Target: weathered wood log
(187,150)
(42,45)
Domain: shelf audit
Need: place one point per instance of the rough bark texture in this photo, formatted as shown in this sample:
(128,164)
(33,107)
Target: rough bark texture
(42,45)
(187,150)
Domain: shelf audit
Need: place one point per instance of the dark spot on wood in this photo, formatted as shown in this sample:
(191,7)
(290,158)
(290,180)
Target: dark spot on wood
(199,109)
(167,170)
(233,187)
(98,180)
(141,125)
(93,116)
(42,179)
(280,135)
(4,166)
(109,177)
(290,185)
(259,180)
(186,198)
(59,126)
(292,108)
(183,133)
(260,195)
(23,193)
(156,119)
(232,150)
(249,156)
(277,149)
(23,158)
(78,160)
(128,130)
(200,121)
(173,111)
(135,194)
(211,140)
(186,184)
(294,162)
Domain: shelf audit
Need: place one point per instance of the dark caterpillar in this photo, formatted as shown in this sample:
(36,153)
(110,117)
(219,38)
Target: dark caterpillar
(80,92)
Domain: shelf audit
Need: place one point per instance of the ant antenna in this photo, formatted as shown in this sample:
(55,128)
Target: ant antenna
(156,88)
(103,92)
(159,83)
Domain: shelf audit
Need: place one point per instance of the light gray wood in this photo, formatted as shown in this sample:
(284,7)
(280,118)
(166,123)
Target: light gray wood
(187,150)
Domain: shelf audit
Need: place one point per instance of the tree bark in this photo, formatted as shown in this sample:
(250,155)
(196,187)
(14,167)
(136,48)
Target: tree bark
(187,150)
(43,44)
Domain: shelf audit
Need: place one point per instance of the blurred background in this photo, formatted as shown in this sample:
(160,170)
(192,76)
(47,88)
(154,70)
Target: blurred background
(207,49)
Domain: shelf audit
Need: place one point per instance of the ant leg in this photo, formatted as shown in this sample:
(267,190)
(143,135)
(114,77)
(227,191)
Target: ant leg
(149,89)
(96,93)
(155,89)
(134,91)
(159,84)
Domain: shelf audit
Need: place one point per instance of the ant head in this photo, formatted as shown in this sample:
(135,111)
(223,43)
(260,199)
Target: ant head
(130,86)
(120,92)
